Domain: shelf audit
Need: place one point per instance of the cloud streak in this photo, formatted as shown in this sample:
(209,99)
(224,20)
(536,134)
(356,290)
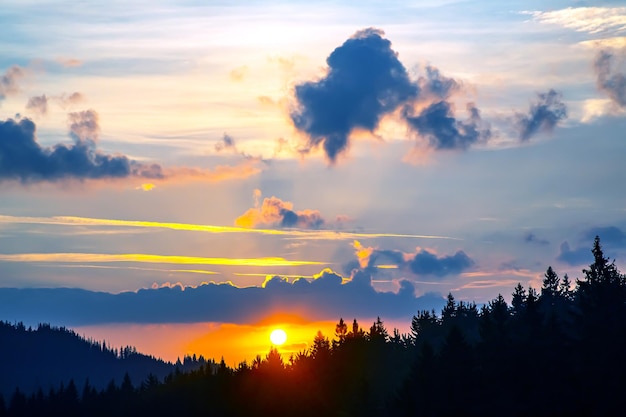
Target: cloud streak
(593,20)
(295,234)
(150,258)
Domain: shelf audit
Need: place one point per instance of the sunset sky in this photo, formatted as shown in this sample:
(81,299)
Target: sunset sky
(198,173)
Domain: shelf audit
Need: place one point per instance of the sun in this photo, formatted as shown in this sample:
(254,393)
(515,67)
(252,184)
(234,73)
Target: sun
(278,337)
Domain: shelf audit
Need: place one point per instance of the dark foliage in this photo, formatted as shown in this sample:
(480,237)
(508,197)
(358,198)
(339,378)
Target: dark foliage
(554,352)
(47,356)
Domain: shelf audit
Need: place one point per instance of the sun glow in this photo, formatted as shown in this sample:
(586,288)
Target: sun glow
(278,337)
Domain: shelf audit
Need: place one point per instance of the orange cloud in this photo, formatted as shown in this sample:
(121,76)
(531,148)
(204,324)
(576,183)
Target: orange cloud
(276,212)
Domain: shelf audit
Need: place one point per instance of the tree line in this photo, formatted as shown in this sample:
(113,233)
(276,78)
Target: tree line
(558,350)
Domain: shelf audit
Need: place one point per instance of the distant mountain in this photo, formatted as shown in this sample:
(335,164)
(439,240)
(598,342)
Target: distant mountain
(47,356)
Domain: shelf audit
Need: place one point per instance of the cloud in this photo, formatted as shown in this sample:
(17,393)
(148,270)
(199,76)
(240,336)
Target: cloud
(150,258)
(25,160)
(543,115)
(9,81)
(365,81)
(608,80)
(422,262)
(327,296)
(69,62)
(532,238)
(438,125)
(275,212)
(227,142)
(73,221)
(610,236)
(38,104)
(436,86)
(84,126)
(578,256)
(593,20)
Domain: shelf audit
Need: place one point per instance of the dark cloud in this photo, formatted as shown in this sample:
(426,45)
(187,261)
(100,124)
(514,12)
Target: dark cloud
(438,125)
(543,115)
(610,236)
(365,81)
(327,297)
(612,239)
(422,262)
(532,238)
(578,256)
(609,80)
(275,212)
(38,104)
(227,142)
(428,263)
(9,81)
(23,159)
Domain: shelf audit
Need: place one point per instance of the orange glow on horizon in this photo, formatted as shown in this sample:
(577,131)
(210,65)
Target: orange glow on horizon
(234,343)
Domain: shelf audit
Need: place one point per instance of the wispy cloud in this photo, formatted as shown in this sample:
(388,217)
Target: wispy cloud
(150,258)
(297,234)
(609,79)
(593,20)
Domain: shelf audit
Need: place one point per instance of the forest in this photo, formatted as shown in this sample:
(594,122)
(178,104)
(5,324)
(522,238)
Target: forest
(558,350)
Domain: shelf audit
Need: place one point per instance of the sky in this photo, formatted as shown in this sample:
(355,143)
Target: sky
(186,176)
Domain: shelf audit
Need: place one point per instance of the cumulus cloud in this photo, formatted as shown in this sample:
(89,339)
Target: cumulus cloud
(366,82)
(23,159)
(438,125)
(38,104)
(327,296)
(543,115)
(609,79)
(9,81)
(275,212)
(421,262)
